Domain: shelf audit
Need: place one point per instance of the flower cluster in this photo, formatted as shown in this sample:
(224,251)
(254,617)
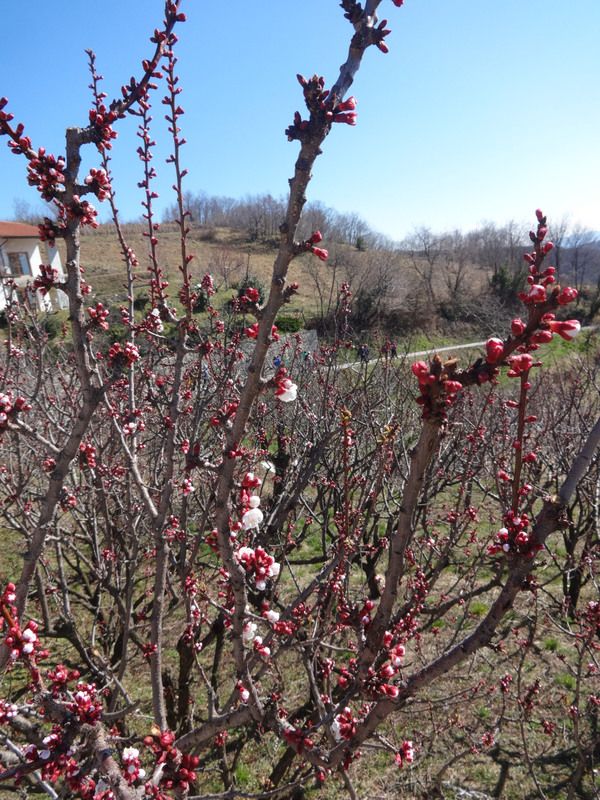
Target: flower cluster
(258,564)
(98,316)
(285,389)
(207,285)
(49,230)
(87,455)
(133,766)
(515,536)
(251,296)
(23,642)
(252,516)
(324,108)
(101,120)
(46,173)
(344,725)
(11,406)
(99,183)
(437,386)
(5,116)
(123,355)
(85,704)
(179,769)
(82,211)
(7,711)
(59,678)
(310,246)
(406,754)
(47,279)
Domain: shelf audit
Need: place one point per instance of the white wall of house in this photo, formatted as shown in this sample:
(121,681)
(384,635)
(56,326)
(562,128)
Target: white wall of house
(20,259)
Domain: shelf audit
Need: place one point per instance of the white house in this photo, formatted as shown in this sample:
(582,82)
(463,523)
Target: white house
(20,259)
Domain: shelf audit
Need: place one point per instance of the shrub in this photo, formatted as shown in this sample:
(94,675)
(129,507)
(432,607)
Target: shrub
(271,574)
(288,324)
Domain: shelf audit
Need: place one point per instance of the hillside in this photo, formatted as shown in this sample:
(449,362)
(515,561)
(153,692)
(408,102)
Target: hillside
(453,285)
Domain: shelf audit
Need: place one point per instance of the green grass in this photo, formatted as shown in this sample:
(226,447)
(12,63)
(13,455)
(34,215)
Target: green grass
(551,644)
(565,680)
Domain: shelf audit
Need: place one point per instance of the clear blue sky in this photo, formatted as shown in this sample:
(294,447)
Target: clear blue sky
(482,110)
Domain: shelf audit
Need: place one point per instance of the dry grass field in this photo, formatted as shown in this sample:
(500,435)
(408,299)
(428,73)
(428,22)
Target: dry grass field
(226,254)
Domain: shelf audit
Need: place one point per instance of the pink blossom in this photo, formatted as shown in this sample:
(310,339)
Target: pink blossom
(187,487)
(244,693)
(344,725)
(568,329)
(286,391)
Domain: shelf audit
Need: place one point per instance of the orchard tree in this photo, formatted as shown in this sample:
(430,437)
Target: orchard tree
(237,581)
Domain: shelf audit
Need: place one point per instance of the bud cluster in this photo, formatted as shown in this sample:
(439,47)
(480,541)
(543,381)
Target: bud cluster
(179,769)
(309,246)
(123,355)
(98,315)
(101,120)
(324,109)
(45,172)
(99,183)
(47,279)
(10,407)
(258,564)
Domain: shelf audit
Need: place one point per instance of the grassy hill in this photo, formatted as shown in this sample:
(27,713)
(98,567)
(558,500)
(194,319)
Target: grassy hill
(226,254)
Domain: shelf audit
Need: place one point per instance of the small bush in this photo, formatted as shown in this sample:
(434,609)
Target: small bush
(207,235)
(51,325)
(117,332)
(288,324)
(201,302)
(140,301)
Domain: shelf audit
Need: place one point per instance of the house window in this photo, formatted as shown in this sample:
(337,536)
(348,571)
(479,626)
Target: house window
(18,264)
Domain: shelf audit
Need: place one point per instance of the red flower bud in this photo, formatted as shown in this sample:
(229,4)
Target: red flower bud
(536,294)
(349,117)
(421,371)
(320,253)
(542,337)
(494,349)
(517,327)
(567,295)
(347,105)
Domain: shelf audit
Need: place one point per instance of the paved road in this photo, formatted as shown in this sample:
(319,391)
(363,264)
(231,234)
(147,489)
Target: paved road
(356,365)
(416,354)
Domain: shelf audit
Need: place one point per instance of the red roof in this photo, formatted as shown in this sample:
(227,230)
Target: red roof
(18,230)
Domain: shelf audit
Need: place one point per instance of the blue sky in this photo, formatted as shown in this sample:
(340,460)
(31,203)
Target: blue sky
(482,110)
